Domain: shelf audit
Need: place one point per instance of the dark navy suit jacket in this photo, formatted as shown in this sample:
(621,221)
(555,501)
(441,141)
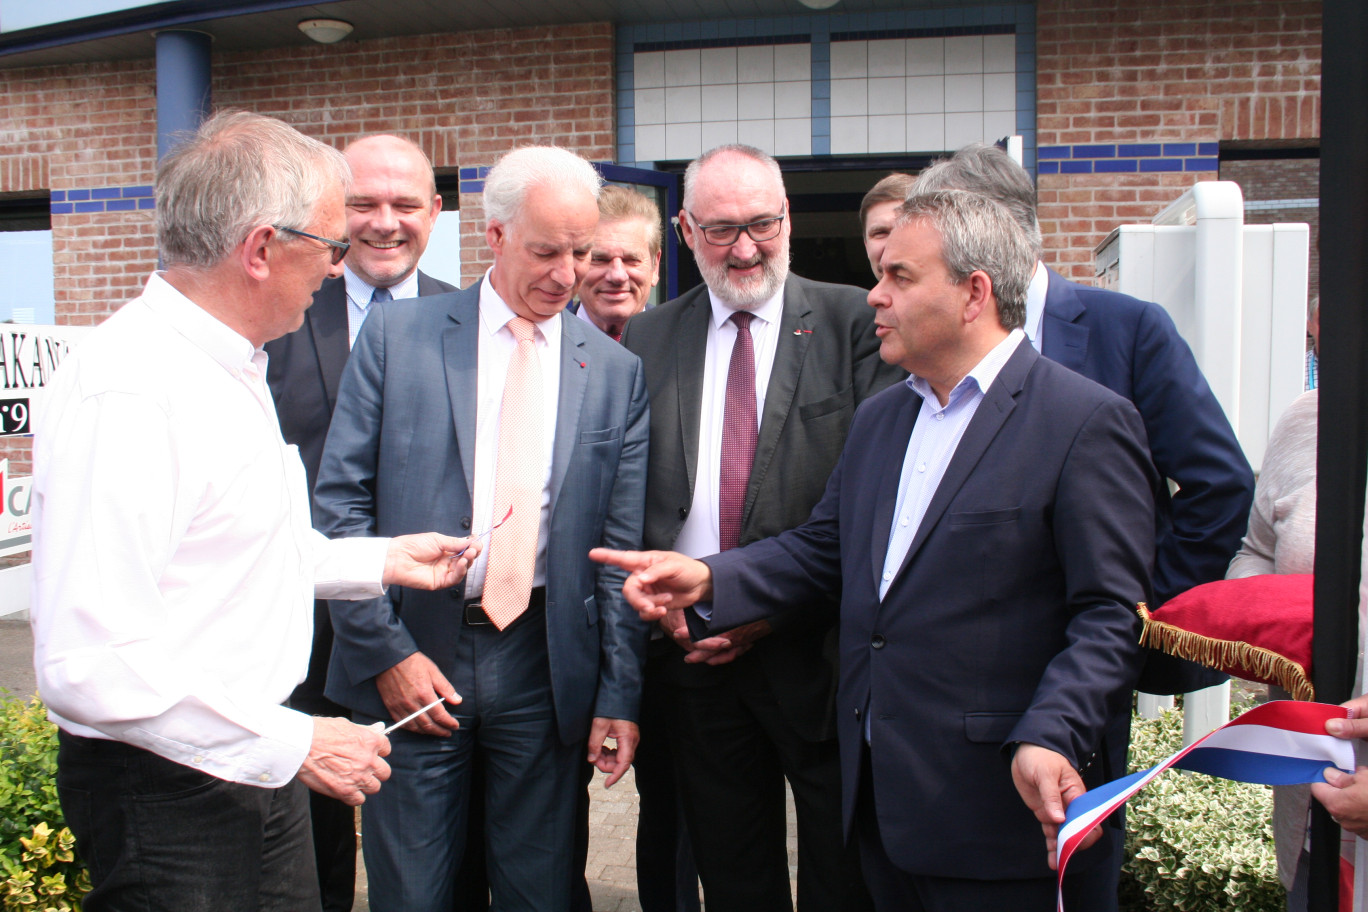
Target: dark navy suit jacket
(1132,348)
(1011,619)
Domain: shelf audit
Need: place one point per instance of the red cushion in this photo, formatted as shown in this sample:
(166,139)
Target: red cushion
(1257,628)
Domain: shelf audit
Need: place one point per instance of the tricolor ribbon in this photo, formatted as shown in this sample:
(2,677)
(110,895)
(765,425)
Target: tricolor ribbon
(1278,743)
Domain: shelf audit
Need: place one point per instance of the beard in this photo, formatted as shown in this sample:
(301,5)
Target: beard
(751,291)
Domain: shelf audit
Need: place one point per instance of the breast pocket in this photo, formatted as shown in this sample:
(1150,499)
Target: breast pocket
(985,517)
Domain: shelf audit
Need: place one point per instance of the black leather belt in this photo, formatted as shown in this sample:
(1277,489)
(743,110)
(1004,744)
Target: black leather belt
(475,614)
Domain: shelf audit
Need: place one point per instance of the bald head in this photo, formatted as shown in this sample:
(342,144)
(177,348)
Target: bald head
(391,208)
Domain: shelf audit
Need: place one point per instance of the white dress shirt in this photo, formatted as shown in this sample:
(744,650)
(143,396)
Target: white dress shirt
(935,437)
(493,352)
(359,294)
(1035,304)
(174,567)
(700,535)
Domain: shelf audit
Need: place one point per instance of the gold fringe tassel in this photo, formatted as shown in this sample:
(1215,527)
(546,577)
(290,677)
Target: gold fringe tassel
(1266,665)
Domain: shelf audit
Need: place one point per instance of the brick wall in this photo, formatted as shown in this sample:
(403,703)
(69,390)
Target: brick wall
(1151,89)
(466,98)
(87,133)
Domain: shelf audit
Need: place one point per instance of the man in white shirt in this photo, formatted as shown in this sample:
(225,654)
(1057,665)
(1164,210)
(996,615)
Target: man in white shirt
(174,562)
(392,205)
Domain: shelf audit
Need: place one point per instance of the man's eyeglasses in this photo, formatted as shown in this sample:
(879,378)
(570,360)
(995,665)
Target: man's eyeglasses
(339,248)
(766,229)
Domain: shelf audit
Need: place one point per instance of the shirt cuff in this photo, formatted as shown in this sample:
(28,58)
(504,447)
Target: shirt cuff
(351,568)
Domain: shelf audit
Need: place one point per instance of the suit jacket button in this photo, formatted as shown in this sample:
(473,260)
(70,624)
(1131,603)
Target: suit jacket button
(877,642)
(683,512)
(465,523)
(857,714)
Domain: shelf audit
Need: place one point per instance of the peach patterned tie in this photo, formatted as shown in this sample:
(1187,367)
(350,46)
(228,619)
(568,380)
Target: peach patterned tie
(518,480)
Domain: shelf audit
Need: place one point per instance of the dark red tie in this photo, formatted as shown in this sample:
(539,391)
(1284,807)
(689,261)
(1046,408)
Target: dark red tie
(738,434)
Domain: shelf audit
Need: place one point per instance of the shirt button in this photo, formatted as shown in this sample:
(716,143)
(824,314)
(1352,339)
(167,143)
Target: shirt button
(888,574)
(905,520)
(922,467)
(940,416)
(198,759)
(265,777)
(877,642)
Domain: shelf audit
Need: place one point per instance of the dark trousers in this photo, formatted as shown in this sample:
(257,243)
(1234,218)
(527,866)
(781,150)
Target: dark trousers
(733,751)
(667,878)
(162,837)
(415,828)
(1090,889)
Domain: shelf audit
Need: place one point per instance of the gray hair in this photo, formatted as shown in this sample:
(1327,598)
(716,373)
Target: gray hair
(518,171)
(239,171)
(978,234)
(986,169)
(695,166)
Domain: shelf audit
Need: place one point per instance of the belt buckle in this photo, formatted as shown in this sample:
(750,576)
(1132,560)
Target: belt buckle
(475,615)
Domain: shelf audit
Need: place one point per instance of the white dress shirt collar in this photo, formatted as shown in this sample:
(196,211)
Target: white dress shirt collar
(982,375)
(360,291)
(220,341)
(495,314)
(769,311)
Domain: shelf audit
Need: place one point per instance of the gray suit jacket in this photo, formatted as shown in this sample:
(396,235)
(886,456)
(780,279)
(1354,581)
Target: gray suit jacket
(400,458)
(826,363)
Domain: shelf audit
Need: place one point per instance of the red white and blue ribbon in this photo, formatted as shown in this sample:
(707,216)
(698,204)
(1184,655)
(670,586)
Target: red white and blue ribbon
(1278,743)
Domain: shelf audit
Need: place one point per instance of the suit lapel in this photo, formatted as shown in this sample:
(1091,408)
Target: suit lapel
(460,351)
(574,379)
(789,352)
(691,351)
(887,472)
(328,327)
(1066,340)
(998,403)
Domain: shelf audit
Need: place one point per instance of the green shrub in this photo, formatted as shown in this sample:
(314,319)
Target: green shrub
(1194,842)
(37,857)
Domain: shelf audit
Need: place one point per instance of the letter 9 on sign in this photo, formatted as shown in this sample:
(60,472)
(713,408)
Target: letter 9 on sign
(14,416)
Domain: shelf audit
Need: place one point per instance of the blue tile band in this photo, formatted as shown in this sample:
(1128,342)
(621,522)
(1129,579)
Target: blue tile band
(101,199)
(1126,158)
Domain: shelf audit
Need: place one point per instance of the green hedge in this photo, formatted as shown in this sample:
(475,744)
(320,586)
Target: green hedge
(36,849)
(1194,842)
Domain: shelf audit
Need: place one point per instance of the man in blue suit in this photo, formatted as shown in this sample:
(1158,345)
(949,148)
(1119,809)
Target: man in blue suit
(491,411)
(988,531)
(1132,348)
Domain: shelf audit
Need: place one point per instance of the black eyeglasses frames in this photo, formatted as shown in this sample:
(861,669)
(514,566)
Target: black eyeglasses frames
(339,248)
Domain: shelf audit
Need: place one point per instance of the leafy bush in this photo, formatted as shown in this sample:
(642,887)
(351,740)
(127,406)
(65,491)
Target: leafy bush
(1194,842)
(37,857)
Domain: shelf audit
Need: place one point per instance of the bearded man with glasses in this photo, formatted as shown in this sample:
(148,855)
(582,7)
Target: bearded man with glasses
(754,377)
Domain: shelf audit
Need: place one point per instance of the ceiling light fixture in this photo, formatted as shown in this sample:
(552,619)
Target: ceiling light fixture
(326,31)
(819,4)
